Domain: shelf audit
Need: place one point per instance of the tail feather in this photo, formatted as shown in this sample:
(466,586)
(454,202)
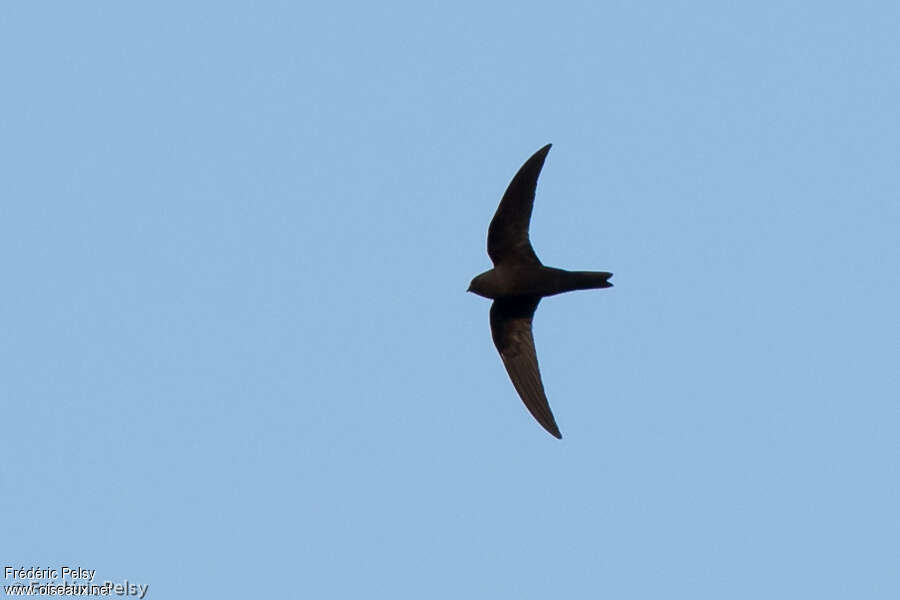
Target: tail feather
(588,280)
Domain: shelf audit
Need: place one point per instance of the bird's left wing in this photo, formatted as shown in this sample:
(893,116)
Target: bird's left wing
(508,240)
(511,330)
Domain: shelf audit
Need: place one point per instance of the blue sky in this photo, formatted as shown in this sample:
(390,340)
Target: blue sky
(237,356)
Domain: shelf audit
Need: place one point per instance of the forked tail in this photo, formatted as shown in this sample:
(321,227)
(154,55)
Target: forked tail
(588,280)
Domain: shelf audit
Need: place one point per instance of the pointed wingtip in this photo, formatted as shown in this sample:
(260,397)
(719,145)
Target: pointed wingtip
(550,426)
(542,153)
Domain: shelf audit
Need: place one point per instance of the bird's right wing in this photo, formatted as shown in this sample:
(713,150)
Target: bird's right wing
(508,233)
(511,330)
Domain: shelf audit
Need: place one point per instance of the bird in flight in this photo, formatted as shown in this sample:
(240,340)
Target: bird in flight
(517,283)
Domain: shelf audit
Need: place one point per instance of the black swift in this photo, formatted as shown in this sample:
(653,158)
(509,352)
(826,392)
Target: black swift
(517,283)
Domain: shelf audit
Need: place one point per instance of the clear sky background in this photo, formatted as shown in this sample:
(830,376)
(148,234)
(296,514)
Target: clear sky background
(237,358)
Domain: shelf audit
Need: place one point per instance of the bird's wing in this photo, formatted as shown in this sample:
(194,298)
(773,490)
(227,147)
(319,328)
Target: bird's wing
(511,330)
(508,233)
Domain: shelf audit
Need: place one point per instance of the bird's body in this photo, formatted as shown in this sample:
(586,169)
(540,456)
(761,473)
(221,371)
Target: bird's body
(507,281)
(517,283)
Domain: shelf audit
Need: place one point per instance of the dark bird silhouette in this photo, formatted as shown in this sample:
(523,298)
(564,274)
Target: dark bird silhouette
(517,283)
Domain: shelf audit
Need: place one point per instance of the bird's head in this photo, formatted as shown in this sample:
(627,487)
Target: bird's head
(479,285)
